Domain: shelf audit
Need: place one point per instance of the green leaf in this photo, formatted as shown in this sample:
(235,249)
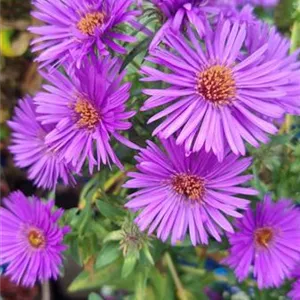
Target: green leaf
(82,220)
(113,236)
(73,249)
(109,253)
(148,255)
(94,296)
(108,210)
(162,285)
(141,284)
(128,265)
(281,139)
(141,46)
(106,275)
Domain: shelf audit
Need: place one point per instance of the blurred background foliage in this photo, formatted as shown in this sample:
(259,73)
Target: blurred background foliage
(118,261)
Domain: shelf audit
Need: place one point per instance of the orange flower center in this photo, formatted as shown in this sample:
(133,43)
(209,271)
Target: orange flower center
(90,21)
(263,236)
(192,186)
(216,84)
(36,238)
(88,115)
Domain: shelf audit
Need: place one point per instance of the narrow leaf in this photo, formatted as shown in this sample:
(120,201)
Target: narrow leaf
(109,253)
(128,266)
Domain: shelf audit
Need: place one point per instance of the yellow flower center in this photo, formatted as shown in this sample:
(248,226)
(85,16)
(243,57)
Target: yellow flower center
(36,238)
(216,84)
(263,236)
(88,115)
(90,21)
(192,186)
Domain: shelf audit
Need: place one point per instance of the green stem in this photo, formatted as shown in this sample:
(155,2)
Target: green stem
(178,284)
(88,186)
(191,270)
(295,35)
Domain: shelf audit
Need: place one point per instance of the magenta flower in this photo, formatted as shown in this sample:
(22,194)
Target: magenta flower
(177,12)
(171,8)
(294,294)
(267,238)
(31,240)
(217,94)
(278,50)
(179,194)
(265,3)
(87,110)
(75,28)
(296,271)
(29,149)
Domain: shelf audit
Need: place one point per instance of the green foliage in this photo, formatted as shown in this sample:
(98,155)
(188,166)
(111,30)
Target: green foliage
(108,254)
(284,14)
(276,167)
(94,296)
(109,210)
(107,275)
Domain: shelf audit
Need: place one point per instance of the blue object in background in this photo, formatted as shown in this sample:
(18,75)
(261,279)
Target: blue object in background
(221,271)
(3,269)
(211,264)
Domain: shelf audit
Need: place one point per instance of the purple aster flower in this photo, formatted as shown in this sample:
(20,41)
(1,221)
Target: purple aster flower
(179,193)
(88,110)
(169,8)
(294,294)
(265,3)
(74,28)
(29,149)
(31,239)
(267,238)
(229,10)
(261,33)
(217,94)
(296,271)
(178,12)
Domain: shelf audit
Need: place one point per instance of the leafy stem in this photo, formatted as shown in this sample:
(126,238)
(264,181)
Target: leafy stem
(180,289)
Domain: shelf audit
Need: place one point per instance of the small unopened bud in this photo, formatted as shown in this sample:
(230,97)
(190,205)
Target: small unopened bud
(133,240)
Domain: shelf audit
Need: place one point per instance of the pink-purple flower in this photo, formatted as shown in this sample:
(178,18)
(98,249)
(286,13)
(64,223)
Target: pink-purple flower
(176,13)
(267,239)
(278,52)
(76,28)
(218,92)
(29,149)
(31,240)
(178,194)
(88,111)
(265,3)
(294,294)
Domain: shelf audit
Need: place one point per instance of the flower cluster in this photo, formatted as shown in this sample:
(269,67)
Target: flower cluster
(220,78)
